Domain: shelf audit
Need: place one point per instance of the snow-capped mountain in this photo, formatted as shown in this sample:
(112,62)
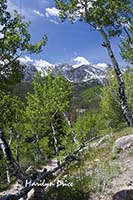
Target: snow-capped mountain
(82,73)
(29,72)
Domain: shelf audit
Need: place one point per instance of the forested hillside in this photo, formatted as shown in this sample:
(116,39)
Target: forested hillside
(57,137)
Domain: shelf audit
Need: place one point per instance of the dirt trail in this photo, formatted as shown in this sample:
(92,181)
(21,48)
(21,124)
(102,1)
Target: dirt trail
(16,186)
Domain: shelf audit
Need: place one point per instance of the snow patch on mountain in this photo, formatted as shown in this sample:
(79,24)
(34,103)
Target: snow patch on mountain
(80,61)
(43,66)
(81,71)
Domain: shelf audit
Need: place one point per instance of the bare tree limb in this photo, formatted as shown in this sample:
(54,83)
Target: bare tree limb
(40,177)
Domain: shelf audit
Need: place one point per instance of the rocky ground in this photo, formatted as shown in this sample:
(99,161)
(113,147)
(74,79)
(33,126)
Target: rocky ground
(120,186)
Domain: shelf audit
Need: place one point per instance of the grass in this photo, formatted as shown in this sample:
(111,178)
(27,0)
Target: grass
(93,175)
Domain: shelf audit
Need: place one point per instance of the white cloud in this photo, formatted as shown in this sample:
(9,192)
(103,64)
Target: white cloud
(80,61)
(52,12)
(37,63)
(38,13)
(54,21)
(83,61)
(26,60)
(42,66)
(41,63)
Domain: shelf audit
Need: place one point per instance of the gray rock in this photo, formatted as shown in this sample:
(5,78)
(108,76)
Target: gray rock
(123,143)
(123,195)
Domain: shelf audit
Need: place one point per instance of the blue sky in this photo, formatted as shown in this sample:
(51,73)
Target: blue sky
(67,43)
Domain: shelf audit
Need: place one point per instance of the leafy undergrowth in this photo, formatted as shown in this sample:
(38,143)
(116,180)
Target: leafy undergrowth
(93,175)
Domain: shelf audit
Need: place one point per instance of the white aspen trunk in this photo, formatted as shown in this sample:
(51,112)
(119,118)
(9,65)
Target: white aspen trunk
(11,162)
(55,140)
(7,168)
(8,175)
(17,148)
(123,99)
(37,147)
(10,140)
(70,126)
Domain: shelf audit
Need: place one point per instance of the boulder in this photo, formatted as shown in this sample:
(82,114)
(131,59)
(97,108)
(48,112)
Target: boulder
(123,143)
(123,195)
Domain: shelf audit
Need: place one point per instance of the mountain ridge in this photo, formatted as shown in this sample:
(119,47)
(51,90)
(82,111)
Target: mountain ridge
(81,74)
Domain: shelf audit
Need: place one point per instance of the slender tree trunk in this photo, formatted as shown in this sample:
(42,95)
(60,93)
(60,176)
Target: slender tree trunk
(70,126)
(17,148)
(123,100)
(55,140)
(128,36)
(11,162)
(7,167)
(38,150)
(8,175)
(10,140)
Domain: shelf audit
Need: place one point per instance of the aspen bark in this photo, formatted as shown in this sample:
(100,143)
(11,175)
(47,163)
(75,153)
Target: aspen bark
(123,99)
(70,126)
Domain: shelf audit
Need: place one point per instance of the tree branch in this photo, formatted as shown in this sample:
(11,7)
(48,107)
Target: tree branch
(40,177)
